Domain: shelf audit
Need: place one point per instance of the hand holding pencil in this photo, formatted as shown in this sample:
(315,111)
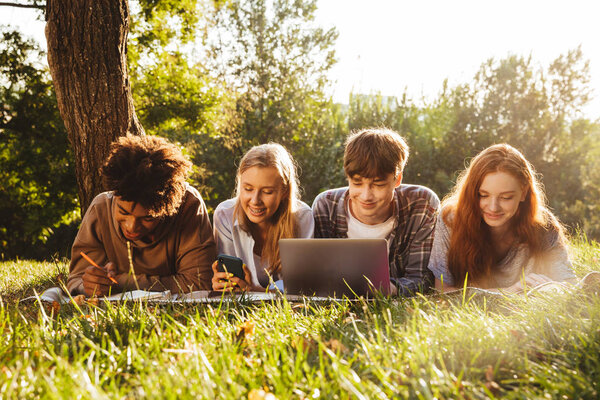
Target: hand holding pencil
(98,281)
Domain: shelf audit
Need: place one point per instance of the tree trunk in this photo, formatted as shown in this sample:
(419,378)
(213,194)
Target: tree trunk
(87,56)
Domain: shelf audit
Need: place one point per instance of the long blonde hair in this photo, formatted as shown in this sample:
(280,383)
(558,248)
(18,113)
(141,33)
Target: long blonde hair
(283,223)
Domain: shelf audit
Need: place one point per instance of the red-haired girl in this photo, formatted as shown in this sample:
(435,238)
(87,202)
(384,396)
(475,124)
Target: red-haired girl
(495,230)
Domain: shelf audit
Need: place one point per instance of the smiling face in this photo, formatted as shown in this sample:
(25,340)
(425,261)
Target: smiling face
(371,200)
(261,192)
(500,195)
(134,220)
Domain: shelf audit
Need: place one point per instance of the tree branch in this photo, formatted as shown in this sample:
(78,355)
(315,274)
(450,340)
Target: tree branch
(9,4)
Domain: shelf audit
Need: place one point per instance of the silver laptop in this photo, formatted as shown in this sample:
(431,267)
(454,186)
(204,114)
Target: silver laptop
(334,267)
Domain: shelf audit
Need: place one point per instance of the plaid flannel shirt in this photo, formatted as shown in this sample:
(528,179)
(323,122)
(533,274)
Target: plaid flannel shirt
(410,242)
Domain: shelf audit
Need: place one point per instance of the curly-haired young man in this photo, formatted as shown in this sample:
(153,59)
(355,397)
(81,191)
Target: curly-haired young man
(150,230)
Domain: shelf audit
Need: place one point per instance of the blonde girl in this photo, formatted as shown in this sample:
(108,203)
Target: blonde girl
(266,208)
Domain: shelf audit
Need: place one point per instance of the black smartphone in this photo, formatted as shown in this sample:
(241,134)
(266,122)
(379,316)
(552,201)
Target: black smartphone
(231,264)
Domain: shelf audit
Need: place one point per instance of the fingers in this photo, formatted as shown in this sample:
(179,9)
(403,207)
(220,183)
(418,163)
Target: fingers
(242,284)
(532,280)
(227,281)
(542,278)
(222,275)
(96,281)
(247,282)
(247,274)
(232,283)
(91,290)
(111,269)
(224,286)
(214,266)
(515,287)
(92,287)
(96,276)
(222,280)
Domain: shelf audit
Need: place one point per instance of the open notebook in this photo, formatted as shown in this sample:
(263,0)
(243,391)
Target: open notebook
(58,295)
(200,296)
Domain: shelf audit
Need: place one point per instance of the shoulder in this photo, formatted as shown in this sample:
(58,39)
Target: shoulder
(445,217)
(224,212)
(98,220)
(192,196)
(329,205)
(418,194)
(442,225)
(192,203)
(302,210)
(446,214)
(332,194)
(302,207)
(417,200)
(226,207)
(551,234)
(101,205)
(304,220)
(330,197)
(552,238)
(103,199)
(191,199)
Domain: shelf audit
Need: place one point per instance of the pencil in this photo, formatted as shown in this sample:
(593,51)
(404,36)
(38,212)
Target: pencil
(96,265)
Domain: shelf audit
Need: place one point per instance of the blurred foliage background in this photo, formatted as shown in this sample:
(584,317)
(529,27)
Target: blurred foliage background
(219,76)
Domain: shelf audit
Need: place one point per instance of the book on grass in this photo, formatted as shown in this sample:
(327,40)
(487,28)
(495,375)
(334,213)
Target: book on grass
(200,296)
(57,294)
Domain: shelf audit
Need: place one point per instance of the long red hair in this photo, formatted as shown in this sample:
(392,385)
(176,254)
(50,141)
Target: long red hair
(471,249)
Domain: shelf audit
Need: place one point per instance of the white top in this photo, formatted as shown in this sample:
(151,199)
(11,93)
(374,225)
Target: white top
(553,262)
(359,230)
(234,241)
(261,266)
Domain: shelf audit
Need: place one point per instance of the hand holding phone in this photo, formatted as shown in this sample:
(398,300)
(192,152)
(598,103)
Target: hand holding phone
(231,274)
(231,264)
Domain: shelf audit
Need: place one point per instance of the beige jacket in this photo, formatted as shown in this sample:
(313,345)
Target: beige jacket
(179,259)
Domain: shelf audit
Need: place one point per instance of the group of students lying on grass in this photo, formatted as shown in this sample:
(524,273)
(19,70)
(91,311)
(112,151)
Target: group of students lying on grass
(151,229)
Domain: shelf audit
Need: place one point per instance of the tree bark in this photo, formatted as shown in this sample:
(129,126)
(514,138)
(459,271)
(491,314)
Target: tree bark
(87,56)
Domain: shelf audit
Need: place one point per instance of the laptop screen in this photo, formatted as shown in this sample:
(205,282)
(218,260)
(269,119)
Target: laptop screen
(334,267)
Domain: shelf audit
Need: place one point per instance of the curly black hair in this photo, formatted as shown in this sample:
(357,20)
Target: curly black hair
(147,170)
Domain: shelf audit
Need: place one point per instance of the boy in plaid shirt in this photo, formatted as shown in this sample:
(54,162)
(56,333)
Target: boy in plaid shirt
(376,204)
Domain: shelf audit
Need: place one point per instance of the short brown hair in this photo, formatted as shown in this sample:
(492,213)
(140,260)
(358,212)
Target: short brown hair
(375,153)
(147,170)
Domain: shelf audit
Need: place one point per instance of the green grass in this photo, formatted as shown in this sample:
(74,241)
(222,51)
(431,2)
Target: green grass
(543,346)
